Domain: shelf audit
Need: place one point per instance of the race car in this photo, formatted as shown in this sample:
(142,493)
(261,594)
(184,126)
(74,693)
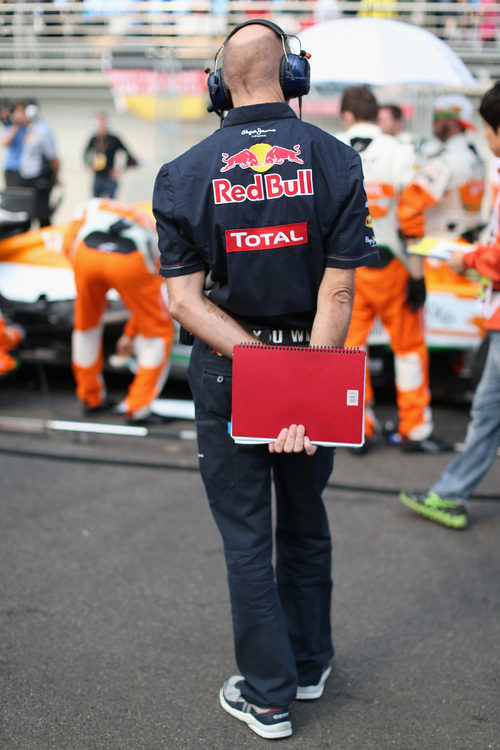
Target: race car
(37,290)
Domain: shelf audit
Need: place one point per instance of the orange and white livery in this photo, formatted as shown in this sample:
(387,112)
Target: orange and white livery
(444,198)
(113,246)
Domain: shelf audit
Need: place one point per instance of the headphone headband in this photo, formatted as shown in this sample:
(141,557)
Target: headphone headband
(294,71)
(261,22)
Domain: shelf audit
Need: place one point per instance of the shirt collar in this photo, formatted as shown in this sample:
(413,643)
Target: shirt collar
(258,112)
(363,129)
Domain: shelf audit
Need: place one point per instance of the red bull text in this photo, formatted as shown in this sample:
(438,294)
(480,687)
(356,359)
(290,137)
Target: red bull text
(264,186)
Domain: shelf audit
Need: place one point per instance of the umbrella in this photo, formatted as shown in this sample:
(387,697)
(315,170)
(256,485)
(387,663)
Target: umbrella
(380,52)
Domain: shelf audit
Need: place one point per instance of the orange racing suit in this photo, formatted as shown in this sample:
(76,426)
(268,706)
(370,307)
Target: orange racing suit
(381,292)
(112,245)
(10,338)
(445,196)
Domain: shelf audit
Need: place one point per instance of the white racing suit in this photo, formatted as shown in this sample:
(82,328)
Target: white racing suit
(380,292)
(445,196)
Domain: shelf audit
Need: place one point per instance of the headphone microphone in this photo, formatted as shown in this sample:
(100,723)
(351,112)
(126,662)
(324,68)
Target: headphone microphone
(294,72)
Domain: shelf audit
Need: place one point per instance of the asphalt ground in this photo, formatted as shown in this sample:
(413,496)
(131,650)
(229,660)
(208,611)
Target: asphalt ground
(115,624)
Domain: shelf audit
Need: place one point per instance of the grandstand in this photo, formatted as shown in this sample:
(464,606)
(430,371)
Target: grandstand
(143,60)
(69,43)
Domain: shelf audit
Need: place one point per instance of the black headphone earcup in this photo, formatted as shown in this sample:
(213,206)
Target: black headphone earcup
(226,93)
(220,96)
(295,75)
(283,70)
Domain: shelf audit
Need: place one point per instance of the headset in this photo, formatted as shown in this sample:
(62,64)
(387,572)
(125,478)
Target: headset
(294,72)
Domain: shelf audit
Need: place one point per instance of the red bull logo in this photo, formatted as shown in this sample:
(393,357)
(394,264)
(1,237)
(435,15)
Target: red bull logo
(267,186)
(260,157)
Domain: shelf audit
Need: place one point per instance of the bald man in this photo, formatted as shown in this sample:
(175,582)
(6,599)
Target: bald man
(259,242)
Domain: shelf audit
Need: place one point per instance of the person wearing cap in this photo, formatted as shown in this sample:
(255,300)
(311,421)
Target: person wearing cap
(447,501)
(444,198)
(39,163)
(225,295)
(393,287)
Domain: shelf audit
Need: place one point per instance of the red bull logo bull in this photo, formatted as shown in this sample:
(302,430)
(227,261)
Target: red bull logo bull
(260,157)
(243,159)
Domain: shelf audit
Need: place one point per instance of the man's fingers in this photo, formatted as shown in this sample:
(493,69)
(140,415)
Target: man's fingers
(279,443)
(292,440)
(309,448)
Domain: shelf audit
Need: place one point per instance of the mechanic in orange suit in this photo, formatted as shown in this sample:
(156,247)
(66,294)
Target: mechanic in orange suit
(114,246)
(444,198)
(10,338)
(393,290)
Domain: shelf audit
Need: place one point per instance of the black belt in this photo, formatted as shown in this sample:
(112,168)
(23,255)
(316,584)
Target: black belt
(277,336)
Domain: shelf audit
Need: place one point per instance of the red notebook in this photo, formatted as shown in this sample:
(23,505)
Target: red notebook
(319,387)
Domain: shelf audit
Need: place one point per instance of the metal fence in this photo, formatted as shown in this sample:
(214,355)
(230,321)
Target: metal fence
(76,41)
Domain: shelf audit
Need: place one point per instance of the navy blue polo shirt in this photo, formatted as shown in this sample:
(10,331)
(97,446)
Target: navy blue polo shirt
(263,205)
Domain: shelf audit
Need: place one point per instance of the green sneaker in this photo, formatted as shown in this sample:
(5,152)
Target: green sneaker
(452,513)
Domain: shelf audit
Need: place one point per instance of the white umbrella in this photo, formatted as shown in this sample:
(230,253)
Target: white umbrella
(380,52)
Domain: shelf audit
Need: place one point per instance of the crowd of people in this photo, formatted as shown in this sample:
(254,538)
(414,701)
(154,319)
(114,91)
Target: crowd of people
(341,211)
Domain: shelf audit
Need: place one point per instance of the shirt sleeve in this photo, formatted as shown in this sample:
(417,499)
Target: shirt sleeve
(425,190)
(351,242)
(48,144)
(485,259)
(178,254)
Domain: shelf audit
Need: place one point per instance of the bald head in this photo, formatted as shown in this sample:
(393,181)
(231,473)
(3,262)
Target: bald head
(251,63)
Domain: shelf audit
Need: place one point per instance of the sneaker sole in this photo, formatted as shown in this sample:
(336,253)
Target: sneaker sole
(276,732)
(311,693)
(433,514)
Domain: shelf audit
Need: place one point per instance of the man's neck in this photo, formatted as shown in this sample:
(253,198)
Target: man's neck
(244,99)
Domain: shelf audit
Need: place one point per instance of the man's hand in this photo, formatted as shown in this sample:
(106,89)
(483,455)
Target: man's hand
(456,261)
(125,346)
(415,293)
(293,439)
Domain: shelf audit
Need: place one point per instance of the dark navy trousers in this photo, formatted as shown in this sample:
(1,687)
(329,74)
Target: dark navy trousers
(281,612)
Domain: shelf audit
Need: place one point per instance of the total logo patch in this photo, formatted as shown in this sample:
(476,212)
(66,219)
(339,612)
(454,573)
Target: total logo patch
(260,157)
(265,238)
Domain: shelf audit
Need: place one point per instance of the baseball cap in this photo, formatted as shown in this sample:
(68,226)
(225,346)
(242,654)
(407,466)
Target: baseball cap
(457,107)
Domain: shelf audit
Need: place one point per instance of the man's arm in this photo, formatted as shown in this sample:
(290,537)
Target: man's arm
(10,134)
(333,314)
(201,317)
(330,326)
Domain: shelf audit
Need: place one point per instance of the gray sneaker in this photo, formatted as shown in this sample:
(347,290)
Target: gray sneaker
(311,692)
(271,723)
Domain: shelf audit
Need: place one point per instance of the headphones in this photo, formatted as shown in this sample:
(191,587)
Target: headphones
(294,72)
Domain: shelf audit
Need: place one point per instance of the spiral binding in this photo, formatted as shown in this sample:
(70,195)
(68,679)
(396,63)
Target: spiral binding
(336,349)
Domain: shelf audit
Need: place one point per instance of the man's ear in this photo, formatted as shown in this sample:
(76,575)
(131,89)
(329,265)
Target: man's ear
(348,119)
